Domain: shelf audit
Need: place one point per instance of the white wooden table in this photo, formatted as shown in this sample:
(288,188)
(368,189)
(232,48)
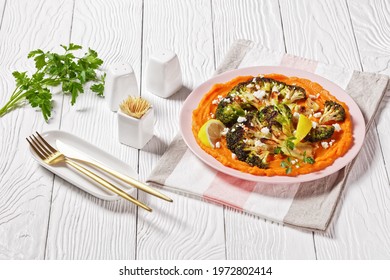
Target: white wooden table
(44,217)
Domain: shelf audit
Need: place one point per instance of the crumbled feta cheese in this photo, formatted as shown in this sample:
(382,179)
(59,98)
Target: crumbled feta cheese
(311,96)
(215,102)
(241,119)
(317,95)
(314,124)
(294,161)
(212,115)
(317,115)
(337,127)
(257,87)
(220,97)
(234,156)
(233,129)
(259,94)
(254,80)
(258,143)
(250,86)
(296,115)
(227,100)
(264,130)
(297,166)
(330,143)
(325,145)
(225,131)
(218,145)
(275,89)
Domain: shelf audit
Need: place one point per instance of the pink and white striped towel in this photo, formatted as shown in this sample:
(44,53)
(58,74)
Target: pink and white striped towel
(307,205)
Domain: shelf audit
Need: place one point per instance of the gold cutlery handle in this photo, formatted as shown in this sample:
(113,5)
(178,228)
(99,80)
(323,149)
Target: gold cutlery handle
(127,179)
(106,184)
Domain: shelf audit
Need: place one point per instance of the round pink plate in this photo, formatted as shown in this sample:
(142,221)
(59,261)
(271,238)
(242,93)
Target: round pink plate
(194,98)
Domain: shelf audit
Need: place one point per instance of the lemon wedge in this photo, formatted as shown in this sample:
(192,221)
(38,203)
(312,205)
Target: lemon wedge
(210,132)
(303,128)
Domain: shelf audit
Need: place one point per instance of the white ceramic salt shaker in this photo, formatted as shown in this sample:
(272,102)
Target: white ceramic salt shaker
(120,83)
(135,132)
(163,76)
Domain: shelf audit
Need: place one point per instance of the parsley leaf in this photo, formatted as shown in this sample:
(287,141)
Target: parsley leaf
(53,69)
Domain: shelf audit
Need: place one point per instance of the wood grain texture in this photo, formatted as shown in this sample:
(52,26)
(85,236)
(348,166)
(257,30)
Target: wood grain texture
(81,226)
(43,216)
(361,227)
(2,8)
(373,40)
(251,238)
(258,21)
(187,228)
(350,226)
(371,24)
(310,29)
(25,188)
(248,237)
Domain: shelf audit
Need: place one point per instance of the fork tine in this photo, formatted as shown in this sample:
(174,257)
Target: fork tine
(39,147)
(36,150)
(50,147)
(42,146)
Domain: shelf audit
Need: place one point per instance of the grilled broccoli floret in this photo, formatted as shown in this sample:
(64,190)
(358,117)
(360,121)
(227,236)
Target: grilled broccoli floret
(312,105)
(320,133)
(228,112)
(285,143)
(299,93)
(284,117)
(243,95)
(241,143)
(267,114)
(264,83)
(235,136)
(258,158)
(292,93)
(333,112)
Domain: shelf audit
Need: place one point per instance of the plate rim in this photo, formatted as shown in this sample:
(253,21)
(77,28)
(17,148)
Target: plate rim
(189,105)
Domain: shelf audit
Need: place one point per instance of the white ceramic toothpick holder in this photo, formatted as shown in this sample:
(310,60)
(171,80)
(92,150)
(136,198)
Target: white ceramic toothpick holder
(120,83)
(163,76)
(135,132)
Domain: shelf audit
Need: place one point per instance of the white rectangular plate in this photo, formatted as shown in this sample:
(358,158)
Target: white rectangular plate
(94,154)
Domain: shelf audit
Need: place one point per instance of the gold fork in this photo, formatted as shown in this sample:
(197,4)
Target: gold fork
(52,157)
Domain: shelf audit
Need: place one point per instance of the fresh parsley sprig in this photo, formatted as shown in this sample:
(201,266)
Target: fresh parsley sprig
(53,69)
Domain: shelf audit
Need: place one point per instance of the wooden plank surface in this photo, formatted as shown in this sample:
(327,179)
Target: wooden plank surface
(2,9)
(373,44)
(82,226)
(25,192)
(248,237)
(188,228)
(42,216)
